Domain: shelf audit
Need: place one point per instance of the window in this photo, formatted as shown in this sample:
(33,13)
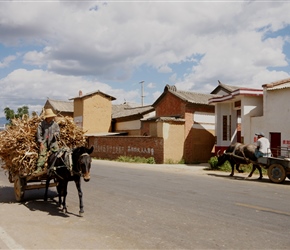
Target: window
(225,125)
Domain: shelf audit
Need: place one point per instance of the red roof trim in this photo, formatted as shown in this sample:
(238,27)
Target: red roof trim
(241,91)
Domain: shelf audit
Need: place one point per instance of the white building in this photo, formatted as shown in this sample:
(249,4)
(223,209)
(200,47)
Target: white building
(275,121)
(234,110)
(244,111)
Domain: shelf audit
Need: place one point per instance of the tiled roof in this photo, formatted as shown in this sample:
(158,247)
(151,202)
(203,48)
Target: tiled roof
(227,88)
(187,96)
(193,97)
(282,84)
(126,109)
(62,106)
(94,93)
(165,118)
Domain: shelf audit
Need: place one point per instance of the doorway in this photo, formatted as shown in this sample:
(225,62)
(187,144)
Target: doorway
(275,141)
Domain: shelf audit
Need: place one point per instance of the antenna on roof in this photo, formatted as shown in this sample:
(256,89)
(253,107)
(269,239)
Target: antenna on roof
(142,92)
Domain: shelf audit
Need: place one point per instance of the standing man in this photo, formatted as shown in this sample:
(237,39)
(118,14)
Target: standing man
(263,146)
(47,135)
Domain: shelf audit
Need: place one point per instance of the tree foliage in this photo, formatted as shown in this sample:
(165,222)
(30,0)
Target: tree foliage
(11,114)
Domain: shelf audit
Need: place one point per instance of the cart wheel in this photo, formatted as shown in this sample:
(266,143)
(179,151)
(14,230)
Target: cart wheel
(276,173)
(19,187)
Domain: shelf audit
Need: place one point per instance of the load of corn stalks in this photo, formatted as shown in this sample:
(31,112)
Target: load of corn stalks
(19,147)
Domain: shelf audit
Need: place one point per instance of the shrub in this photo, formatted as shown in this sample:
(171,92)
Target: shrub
(136,159)
(226,167)
(213,163)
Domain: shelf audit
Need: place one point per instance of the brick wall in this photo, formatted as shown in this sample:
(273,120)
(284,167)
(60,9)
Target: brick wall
(170,105)
(111,147)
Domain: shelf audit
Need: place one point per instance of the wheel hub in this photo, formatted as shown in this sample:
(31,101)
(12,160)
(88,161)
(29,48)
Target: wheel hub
(276,173)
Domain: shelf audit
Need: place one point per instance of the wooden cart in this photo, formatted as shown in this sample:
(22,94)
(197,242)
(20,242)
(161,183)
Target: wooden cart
(22,183)
(278,168)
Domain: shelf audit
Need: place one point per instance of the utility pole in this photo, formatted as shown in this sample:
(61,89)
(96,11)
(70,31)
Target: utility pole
(142,92)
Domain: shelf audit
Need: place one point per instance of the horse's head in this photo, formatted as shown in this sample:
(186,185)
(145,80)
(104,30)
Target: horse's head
(82,161)
(221,157)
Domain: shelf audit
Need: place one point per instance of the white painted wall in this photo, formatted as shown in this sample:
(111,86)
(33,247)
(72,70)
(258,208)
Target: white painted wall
(252,106)
(222,109)
(276,115)
(203,120)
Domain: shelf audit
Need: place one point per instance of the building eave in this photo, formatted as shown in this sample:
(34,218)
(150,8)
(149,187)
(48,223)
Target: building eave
(94,93)
(235,93)
(282,84)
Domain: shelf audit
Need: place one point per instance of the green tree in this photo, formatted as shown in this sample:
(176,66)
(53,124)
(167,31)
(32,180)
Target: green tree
(10,113)
(22,111)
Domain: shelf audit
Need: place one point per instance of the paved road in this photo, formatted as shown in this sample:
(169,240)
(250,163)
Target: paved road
(138,206)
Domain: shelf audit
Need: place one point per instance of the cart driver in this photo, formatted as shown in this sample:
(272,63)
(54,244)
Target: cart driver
(47,134)
(263,146)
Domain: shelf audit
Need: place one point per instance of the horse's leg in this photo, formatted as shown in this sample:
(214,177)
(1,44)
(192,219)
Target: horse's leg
(62,192)
(253,170)
(78,185)
(259,169)
(238,168)
(59,191)
(232,163)
(64,208)
(46,188)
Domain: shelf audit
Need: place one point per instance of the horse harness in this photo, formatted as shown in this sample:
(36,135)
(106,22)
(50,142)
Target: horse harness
(67,162)
(235,157)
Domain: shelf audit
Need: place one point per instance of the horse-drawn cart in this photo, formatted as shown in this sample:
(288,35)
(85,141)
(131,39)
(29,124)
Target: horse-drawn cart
(277,165)
(29,182)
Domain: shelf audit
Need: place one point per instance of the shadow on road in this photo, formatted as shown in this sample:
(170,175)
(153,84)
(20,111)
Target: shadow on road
(33,200)
(242,178)
(51,207)
(7,195)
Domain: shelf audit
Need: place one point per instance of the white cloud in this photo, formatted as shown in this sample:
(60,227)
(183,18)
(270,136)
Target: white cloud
(22,86)
(34,58)
(164,69)
(151,85)
(67,46)
(6,61)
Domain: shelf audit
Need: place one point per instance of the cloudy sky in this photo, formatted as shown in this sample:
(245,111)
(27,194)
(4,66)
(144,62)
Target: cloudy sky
(52,49)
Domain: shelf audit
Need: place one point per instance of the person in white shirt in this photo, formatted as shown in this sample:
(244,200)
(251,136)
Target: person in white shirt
(263,146)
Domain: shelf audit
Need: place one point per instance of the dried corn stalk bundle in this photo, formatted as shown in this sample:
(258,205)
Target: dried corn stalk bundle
(70,134)
(19,148)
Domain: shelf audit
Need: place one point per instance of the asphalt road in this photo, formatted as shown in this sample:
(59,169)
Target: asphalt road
(138,206)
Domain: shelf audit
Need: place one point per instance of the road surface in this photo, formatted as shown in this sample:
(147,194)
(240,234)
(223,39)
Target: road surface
(140,206)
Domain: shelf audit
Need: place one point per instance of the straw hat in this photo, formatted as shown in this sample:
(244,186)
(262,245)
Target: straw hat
(48,113)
